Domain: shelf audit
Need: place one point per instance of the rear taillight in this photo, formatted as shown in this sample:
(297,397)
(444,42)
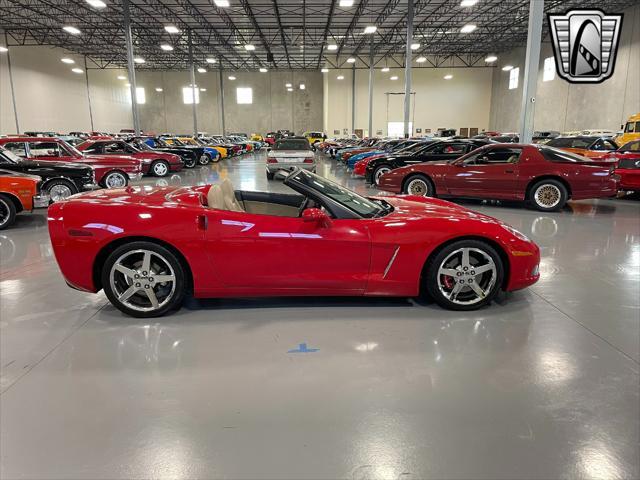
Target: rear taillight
(308,160)
(272,160)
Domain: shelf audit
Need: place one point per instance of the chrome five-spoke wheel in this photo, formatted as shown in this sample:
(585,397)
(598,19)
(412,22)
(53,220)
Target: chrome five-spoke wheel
(465,275)
(115,180)
(143,279)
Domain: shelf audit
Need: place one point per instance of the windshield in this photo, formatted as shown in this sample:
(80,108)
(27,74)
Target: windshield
(10,155)
(292,144)
(351,200)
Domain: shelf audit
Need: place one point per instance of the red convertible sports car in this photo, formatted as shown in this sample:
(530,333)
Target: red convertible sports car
(153,245)
(544,176)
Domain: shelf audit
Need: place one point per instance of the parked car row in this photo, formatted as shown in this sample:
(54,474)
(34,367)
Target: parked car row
(546,174)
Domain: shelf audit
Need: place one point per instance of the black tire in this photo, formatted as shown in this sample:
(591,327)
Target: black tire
(270,175)
(189,162)
(115,179)
(418,184)
(379,171)
(204,159)
(7,212)
(548,195)
(64,187)
(160,168)
(490,285)
(173,300)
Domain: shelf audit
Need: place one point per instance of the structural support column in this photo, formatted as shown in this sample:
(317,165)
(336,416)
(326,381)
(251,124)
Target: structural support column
(194,87)
(353,99)
(13,91)
(407,71)
(530,80)
(221,103)
(86,78)
(371,87)
(131,67)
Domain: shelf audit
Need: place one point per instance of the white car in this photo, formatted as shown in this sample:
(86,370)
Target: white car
(289,153)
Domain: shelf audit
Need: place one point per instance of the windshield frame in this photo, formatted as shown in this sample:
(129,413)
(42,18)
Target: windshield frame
(339,209)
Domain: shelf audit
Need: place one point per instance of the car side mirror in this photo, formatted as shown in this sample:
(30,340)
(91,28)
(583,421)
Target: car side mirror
(315,215)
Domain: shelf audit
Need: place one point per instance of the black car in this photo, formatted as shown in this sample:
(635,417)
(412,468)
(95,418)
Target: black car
(432,151)
(189,156)
(160,143)
(56,176)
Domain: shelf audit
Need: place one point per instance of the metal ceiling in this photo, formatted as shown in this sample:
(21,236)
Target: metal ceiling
(286,33)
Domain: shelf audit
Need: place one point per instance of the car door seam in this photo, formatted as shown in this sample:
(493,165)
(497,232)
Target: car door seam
(391,260)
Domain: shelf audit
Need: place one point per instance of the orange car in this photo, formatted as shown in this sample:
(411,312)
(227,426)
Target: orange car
(19,192)
(587,146)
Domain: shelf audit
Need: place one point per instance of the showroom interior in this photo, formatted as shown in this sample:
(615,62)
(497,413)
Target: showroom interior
(391,239)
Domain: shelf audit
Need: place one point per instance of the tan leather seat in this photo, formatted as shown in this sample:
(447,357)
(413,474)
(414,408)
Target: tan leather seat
(215,198)
(230,201)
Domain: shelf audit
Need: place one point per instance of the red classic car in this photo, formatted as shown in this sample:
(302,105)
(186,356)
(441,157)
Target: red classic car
(544,176)
(152,246)
(159,164)
(110,171)
(628,165)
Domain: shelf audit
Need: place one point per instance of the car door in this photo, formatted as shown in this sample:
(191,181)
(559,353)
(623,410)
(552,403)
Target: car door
(287,254)
(490,173)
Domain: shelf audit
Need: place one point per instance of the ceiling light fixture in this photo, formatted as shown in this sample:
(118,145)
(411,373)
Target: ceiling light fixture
(203,89)
(370,29)
(263,70)
(127,84)
(71,30)
(332,47)
(221,3)
(77,70)
(415,46)
(395,77)
(324,70)
(231,77)
(468,3)
(384,69)
(250,48)
(3,49)
(421,59)
(303,86)
(491,59)
(506,68)
(139,60)
(346,3)
(171,29)
(211,60)
(290,89)
(121,77)
(166,47)
(67,60)
(351,60)
(448,77)
(340,77)
(97,3)
(288,85)
(202,70)
(468,28)
(158,89)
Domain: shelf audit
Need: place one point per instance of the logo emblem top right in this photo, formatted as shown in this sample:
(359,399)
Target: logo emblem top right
(585,44)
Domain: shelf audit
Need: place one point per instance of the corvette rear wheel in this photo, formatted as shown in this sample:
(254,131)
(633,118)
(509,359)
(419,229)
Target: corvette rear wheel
(420,186)
(143,279)
(464,275)
(160,168)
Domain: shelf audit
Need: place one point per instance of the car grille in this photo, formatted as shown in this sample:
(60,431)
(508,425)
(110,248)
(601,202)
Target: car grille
(629,163)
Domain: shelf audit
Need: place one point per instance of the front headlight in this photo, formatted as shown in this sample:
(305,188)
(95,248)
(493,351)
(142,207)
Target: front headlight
(516,233)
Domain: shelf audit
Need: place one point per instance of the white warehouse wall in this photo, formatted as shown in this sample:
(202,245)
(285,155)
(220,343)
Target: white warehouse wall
(564,106)
(463,101)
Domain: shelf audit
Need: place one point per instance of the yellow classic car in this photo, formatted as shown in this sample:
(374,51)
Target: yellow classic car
(314,137)
(256,137)
(631,130)
(194,142)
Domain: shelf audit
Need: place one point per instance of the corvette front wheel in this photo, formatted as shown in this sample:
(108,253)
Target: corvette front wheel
(464,275)
(143,279)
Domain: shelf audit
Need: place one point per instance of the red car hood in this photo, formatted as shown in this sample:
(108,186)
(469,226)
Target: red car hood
(410,207)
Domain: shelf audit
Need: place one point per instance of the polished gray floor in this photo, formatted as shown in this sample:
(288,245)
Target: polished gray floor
(543,384)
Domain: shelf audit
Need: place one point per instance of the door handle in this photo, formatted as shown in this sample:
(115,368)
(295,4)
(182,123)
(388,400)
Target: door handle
(202,221)
(509,171)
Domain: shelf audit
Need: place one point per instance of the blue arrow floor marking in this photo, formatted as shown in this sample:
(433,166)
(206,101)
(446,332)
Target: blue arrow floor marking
(302,348)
